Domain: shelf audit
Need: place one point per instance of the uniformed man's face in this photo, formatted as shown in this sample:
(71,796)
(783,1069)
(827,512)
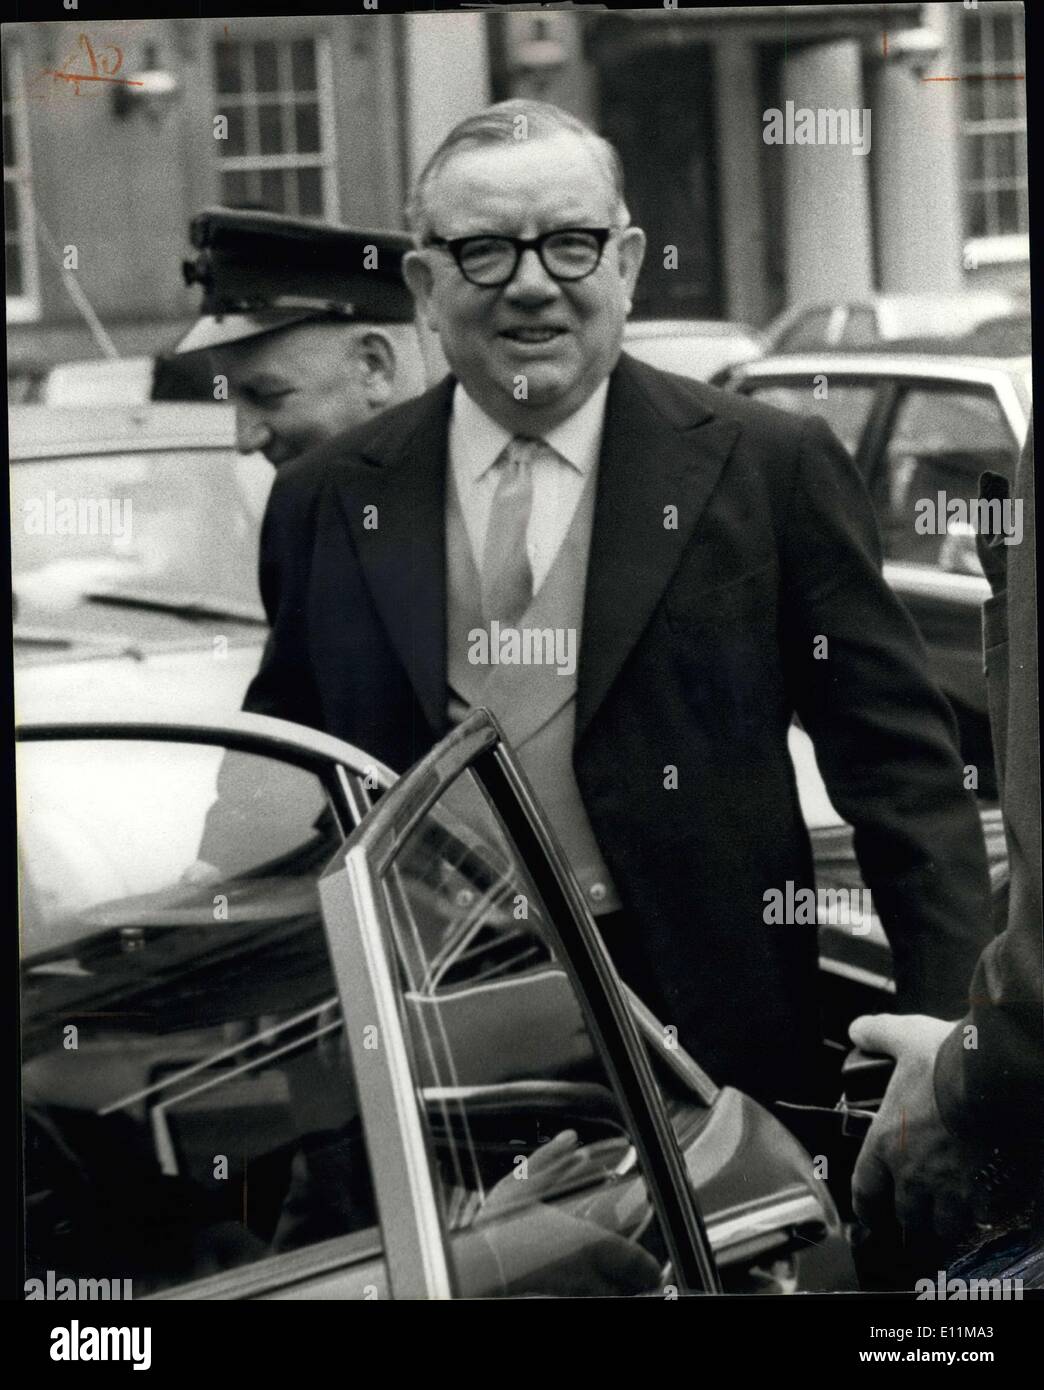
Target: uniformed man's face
(529,352)
(297,387)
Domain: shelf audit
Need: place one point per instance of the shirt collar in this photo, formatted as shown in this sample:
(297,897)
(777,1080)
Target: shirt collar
(478,440)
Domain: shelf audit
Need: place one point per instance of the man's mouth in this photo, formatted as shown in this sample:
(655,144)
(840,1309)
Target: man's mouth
(535,336)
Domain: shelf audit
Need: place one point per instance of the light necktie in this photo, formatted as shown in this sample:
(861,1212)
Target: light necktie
(507,578)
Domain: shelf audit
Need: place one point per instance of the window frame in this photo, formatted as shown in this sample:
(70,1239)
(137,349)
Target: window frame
(416,1241)
(25,307)
(325,160)
(998,245)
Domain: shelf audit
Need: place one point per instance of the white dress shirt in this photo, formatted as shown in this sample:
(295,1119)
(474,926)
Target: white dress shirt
(475,444)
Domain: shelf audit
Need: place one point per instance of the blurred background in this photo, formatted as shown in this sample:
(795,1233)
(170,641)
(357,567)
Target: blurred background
(333,116)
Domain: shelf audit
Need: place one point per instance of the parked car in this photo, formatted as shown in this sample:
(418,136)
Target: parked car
(917,426)
(134,556)
(699,348)
(386,1054)
(881,318)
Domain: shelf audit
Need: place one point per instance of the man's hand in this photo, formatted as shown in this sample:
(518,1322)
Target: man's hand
(911,1168)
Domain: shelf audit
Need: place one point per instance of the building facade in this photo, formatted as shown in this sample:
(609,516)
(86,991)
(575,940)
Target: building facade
(116,132)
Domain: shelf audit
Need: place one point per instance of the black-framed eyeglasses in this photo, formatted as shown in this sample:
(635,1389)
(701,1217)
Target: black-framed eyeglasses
(569,253)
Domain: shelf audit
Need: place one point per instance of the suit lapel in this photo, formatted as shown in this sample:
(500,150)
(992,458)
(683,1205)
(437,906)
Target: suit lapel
(404,556)
(655,454)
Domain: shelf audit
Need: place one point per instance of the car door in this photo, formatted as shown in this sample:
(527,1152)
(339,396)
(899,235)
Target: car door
(519,1138)
(264,1059)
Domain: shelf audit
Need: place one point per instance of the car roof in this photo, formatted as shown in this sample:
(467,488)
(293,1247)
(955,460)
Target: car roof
(883,363)
(36,431)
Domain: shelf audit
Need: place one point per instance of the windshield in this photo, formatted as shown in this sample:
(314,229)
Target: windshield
(169,532)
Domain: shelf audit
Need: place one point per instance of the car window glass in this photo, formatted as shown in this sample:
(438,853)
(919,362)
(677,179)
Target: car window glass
(860,328)
(807,331)
(941,439)
(844,407)
(174,523)
(540,1184)
(189,1106)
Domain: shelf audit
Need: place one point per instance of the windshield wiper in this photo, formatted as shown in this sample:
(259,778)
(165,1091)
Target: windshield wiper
(189,606)
(32,636)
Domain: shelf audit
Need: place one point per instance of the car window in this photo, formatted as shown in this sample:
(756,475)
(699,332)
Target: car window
(845,408)
(173,524)
(540,1184)
(809,330)
(860,328)
(941,439)
(189,1105)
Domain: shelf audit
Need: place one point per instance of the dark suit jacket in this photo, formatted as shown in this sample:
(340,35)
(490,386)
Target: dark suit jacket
(697,649)
(995,1091)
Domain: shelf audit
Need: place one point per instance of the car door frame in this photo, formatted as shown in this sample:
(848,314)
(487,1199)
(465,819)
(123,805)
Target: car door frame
(402,1164)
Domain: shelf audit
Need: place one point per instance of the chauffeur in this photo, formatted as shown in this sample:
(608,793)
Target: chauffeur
(309,322)
(706,551)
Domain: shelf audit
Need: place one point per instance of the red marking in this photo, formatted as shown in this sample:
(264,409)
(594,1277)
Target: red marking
(109,67)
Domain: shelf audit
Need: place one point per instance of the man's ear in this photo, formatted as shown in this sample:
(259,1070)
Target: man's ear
(420,279)
(376,356)
(630,254)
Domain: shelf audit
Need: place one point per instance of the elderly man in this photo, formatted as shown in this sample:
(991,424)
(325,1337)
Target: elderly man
(713,566)
(308,322)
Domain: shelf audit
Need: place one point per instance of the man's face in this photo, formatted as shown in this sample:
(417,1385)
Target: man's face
(562,338)
(299,386)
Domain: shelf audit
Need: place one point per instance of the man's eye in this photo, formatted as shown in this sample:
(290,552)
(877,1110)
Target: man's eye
(269,397)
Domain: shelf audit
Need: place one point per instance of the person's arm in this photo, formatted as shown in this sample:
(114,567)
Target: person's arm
(884,735)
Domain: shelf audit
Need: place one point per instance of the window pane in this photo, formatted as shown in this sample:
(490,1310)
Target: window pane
(10,207)
(10,142)
(808,332)
(236,190)
(940,442)
(302,53)
(15,282)
(1007,210)
(845,409)
(266,68)
(273,194)
(166,523)
(235,140)
(228,67)
(270,122)
(860,328)
(310,192)
(539,1180)
(306,122)
(185,1126)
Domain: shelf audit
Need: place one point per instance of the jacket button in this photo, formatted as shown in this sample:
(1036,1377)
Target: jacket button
(597,892)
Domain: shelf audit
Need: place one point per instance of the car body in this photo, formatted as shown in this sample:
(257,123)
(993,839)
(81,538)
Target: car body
(919,425)
(881,318)
(328,1073)
(698,348)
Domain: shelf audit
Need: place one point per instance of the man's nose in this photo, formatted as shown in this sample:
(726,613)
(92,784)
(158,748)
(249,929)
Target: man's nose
(531,282)
(252,434)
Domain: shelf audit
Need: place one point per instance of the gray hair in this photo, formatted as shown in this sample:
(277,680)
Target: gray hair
(499,124)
